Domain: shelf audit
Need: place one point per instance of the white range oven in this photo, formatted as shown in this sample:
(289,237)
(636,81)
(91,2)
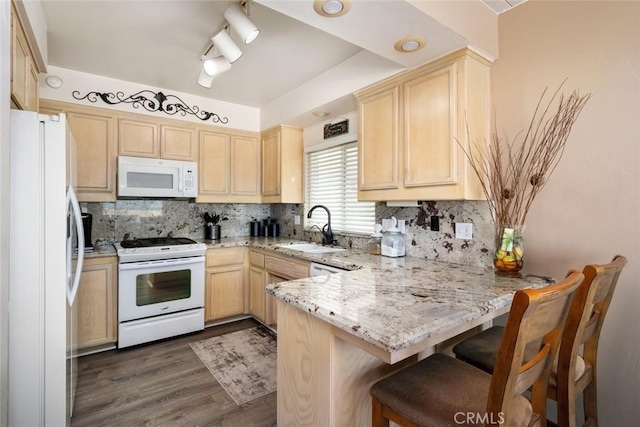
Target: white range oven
(160,289)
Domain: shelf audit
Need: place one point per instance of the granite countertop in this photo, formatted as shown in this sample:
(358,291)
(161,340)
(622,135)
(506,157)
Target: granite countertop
(394,303)
(101,251)
(346,259)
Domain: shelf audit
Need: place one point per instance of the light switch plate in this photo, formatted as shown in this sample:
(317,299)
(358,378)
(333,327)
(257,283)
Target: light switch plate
(296,219)
(464,230)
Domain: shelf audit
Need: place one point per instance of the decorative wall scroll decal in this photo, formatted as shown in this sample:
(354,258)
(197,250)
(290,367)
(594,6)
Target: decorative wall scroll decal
(152,101)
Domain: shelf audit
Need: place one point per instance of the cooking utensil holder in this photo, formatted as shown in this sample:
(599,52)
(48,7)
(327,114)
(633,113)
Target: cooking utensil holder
(211,232)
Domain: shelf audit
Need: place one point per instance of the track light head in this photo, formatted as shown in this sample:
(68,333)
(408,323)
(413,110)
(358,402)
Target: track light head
(204,79)
(226,46)
(240,22)
(210,68)
(215,66)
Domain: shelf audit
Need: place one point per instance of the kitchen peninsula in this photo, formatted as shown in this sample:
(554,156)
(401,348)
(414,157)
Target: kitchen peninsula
(339,334)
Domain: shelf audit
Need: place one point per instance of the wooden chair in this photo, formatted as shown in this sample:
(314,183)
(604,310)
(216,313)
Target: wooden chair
(440,390)
(573,373)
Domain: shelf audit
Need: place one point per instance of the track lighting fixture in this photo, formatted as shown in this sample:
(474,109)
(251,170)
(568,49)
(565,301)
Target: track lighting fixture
(226,51)
(241,24)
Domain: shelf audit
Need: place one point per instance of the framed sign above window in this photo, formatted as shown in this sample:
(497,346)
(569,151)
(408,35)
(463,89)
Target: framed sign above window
(335,129)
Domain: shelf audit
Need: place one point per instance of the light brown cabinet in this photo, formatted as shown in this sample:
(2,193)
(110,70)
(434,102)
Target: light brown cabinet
(266,268)
(144,138)
(97,303)
(229,167)
(138,139)
(178,143)
(413,127)
(271,302)
(94,131)
(282,165)
(225,283)
(24,72)
(257,293)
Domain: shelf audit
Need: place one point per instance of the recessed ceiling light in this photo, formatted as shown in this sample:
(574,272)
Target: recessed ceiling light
(321,113)
(331,8)
(54,82)
(410,44)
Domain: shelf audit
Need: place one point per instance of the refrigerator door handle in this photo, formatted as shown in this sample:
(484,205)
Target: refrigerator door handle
(75,207)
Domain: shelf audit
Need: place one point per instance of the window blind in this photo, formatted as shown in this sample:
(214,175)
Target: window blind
(332,181)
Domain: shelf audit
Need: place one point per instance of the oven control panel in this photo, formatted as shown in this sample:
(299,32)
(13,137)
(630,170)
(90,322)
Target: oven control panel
(159,252)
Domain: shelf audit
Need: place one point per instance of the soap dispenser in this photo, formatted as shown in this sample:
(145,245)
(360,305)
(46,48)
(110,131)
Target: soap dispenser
(393,242)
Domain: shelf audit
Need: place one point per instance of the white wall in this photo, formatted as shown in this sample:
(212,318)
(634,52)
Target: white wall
(360,70)
(5,35)
(473,20)
(590,209)
(240,116)
(314,135)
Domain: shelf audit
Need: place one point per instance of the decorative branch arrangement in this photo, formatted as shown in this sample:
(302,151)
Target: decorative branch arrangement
(513,172)
(152,101)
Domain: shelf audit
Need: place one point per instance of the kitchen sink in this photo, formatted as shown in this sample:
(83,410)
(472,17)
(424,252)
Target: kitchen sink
(309,248)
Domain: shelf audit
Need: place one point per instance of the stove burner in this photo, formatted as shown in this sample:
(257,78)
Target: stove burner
(156,241)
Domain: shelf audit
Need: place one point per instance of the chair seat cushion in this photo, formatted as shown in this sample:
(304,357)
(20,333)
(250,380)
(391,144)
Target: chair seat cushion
(481,349)
(442,391)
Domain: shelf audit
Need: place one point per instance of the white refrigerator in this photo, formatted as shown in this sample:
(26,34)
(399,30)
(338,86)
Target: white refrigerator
(45,230)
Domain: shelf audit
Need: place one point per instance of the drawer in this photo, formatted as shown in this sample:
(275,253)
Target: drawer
(256,259)
(286,267)
(225,256)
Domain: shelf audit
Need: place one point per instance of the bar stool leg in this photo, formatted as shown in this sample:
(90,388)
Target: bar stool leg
(377,419)
(591,402)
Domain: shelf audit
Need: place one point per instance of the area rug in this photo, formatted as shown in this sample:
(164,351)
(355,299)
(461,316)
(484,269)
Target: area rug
(243,362)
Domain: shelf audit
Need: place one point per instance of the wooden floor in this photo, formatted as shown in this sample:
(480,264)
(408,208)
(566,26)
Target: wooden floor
(162,384)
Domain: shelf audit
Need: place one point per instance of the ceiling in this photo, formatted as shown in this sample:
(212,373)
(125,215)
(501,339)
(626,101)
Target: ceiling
(159,43)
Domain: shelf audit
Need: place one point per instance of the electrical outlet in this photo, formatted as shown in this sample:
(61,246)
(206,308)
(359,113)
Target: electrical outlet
(464,230)
(435,223)
(296,219)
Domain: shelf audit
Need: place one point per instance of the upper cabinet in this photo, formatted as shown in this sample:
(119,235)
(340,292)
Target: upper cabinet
(94,131)
(413,128)
(229,167)
(145,138)
(282,165)
(24,72)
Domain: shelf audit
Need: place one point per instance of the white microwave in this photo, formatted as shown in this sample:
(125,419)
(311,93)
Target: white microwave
(156,178)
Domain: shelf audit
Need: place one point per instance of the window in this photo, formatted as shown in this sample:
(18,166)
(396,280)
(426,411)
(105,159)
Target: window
(332,181)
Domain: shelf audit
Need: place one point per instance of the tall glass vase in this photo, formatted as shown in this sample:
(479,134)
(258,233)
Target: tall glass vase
(509,256)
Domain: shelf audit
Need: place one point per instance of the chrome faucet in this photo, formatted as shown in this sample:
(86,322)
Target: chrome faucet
(326,229)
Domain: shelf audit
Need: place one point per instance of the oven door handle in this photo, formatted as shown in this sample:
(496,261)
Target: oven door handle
(165,262)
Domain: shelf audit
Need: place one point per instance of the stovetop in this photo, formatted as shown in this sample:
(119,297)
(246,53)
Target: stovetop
(156,241)
(158,248)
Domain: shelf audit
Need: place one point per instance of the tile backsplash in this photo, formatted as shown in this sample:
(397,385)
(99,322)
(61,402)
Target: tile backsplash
(421,241)
(152,218)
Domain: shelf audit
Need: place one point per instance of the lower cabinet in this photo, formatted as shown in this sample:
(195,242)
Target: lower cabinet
(257,294)
(225,283)
(97,302)
(236,279)
(266,268)
(272,309)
